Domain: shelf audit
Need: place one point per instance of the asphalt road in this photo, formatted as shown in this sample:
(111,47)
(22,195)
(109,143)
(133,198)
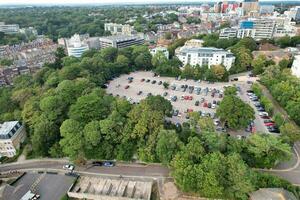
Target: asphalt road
(151,170)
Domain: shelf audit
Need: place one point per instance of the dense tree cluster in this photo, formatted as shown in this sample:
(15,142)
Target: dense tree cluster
(233,112)
(285,89)
(288,41)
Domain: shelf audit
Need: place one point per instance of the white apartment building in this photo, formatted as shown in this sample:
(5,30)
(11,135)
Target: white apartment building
(227,33)
(164,50)
(12,134)
(296,66)
(9,28)
(119,29)
(205,56)
(76,46)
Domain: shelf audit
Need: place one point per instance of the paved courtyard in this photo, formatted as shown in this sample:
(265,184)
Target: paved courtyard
(122,87)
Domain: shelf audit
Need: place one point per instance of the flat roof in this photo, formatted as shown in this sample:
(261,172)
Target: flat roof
(187,49)
(119,38)
(6,127)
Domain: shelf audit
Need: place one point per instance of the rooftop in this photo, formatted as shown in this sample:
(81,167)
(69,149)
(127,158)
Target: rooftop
(119,38)
(6,127)
(187,49)
(109,188)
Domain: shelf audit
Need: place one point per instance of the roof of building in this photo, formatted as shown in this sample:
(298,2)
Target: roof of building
(6,127)
(119,38)
(272,194)
(187,49)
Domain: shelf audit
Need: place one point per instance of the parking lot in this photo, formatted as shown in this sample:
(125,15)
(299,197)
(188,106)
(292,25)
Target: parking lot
(48,186)
(138,85)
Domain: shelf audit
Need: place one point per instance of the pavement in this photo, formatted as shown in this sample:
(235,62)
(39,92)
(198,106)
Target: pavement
(134,170)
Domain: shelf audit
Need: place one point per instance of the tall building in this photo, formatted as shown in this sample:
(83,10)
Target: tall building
(296,66)
(119,29)
(250,6)
(257,29)
(120,41)
(12,134)
(205,56)
(76,46)
(9,28)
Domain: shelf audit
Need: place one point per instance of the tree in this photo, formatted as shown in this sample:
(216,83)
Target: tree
(290,132)
(109,54)
(143,61)
(285,63)
(259,64)
(219,72)
(72,138)
(168,144)
(90,107)
(243,58)
(159,59)
(234,112)
(239,180)
(206,124)
(168,36)
(166,85)
(265,151)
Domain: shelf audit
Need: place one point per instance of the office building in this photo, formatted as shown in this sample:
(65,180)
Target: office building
(12,134)
(9,28)
(155,50)
(296,66)
(120,41)
(119,29)
(76,46)
(205,56)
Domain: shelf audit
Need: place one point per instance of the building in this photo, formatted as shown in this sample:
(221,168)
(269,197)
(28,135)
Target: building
(119,29)
(164,50)
(12,134)
(194,43)
(227,33)
(120,41)
(296,66)
(76,46)
(272,194)
(105,188)
(266,9)
(250,6)
(9,28)
(257,29)
(205,56)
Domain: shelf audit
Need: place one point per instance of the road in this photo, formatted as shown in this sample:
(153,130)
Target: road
(130,170)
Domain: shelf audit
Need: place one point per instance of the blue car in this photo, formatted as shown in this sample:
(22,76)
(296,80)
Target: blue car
(108,164)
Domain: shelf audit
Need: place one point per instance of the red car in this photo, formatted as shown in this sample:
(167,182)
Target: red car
(186,97)
(190,110)
(269,124)
(190,98)
(142,80)
(205,104)
(126,87)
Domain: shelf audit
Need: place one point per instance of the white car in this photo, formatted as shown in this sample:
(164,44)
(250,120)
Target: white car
(263,114)
(213,106)
(69,167)
(216,122)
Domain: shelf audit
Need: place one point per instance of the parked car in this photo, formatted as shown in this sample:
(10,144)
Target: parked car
(108,163)
(269,124)
(165,94)
(263,114)
(175,113)
(126,87)
(142,80)
(139,93)
(149,94)
(69,167)
(209,105)
(148,80)
(197,103)
(97,163)
(268,120)
(265,117)
(190,98)
(160,82)
(261,109)
(153,82)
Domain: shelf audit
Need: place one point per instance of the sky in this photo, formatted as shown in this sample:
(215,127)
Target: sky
(3,2)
